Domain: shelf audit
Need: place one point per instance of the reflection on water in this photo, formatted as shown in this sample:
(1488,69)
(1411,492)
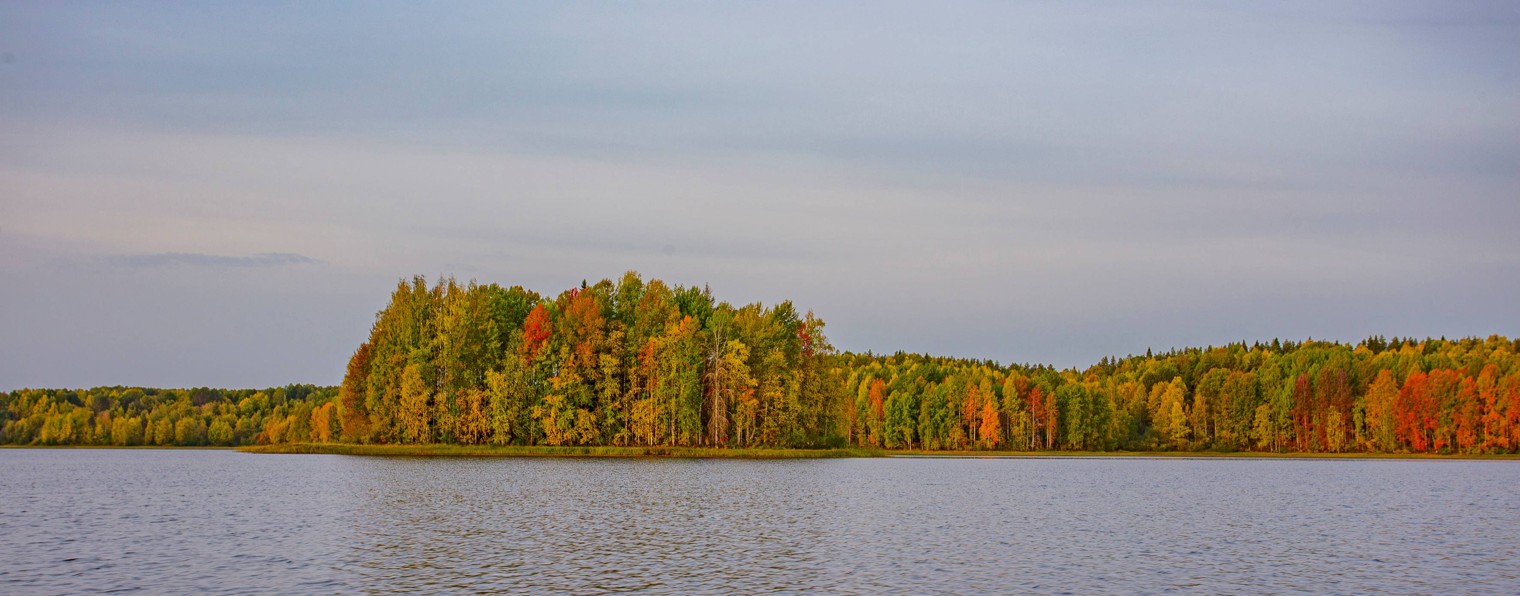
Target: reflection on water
(216,521)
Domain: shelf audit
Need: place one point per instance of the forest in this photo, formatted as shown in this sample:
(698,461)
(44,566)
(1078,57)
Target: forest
(642,363)
(131,416)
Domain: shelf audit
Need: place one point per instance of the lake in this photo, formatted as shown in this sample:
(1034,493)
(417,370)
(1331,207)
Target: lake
(226,522)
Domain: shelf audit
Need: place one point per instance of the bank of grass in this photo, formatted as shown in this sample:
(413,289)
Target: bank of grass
(114,447)
(1199,454)
(440,450)
(547,451)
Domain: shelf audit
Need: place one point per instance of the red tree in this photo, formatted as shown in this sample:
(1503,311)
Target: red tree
(1413,412)
(536,329)
(1467,414)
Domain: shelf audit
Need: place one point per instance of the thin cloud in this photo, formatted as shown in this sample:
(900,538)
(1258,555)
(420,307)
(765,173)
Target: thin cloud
(193,259)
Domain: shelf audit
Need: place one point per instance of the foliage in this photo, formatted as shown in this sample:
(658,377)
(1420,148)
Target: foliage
(136,416)
(637,363)
(612,363)
(1379,396)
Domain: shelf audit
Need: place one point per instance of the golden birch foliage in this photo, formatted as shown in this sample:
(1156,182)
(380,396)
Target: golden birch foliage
(415,423)
(1382,397)
(474,423)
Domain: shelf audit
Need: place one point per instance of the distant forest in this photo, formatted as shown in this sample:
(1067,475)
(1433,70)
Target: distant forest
(635,362)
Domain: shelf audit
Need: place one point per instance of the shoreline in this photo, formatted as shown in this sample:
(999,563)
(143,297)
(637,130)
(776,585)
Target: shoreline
(445,450)
(134,447)
(671,452)
(1197,455)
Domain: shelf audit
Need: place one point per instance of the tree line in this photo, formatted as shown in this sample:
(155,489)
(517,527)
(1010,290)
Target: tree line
(133,416)
(636,362)
(625,363)
(1380,395)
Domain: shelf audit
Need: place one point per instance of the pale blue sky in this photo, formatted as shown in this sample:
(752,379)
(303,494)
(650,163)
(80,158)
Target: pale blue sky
(223,194)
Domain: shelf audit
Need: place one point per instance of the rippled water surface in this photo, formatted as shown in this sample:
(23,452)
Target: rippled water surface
(225,522)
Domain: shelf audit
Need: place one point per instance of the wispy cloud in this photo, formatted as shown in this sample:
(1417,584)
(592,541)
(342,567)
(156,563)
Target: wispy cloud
(1002,180)
(194,259)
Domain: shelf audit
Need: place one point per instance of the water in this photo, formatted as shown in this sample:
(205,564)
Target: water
(224,522)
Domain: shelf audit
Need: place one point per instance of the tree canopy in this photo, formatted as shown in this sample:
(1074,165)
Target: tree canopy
(635,362)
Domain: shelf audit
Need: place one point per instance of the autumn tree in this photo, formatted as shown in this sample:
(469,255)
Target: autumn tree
(991,431)
(1382,405)
(1414,412)
(352,414)
(415,413)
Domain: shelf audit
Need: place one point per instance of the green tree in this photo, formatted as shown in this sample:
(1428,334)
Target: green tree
(221,433)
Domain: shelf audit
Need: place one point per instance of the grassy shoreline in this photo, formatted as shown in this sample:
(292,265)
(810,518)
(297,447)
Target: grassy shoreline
(444,450)
(184,447)
(547,451)
(781,453)
(1195,455)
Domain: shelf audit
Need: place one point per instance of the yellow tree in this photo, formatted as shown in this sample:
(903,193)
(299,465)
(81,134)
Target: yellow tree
(728,380)
(322,422)
(645,421)
(1335,431)
(558,426)
(1382,397)
(414,412)
(1171,416)
(1015,387)
(474,425)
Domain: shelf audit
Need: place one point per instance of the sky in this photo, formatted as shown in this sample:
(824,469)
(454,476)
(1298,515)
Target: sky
(224,194)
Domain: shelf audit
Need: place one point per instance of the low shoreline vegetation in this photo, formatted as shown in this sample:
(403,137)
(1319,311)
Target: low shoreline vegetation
(1200,455)
(636,364)
(532,451)
(447,450)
